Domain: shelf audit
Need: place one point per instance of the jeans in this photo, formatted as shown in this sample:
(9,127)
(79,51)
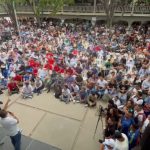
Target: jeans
(16,141)
(38,90)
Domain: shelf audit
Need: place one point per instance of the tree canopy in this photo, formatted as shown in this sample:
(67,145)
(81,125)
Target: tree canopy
(37,6)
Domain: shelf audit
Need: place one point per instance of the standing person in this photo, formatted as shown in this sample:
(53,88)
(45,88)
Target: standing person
(145,140)
(121,141)
(10,123)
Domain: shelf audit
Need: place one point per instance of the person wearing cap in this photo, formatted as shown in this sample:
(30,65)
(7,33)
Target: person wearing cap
(27,90)
(121,141)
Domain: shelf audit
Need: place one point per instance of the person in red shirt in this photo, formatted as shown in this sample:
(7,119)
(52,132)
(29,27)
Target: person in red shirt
(19,79)
(12,87)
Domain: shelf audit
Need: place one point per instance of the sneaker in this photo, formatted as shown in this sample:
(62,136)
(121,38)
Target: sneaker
(86,105)
(74,101)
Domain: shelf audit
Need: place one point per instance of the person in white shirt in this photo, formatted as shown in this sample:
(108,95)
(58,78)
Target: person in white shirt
(42,73)
(139,114)
(66,94)
(145,124)
(121,142)
(38,86)
(116,101)
(27,90)
(101,82)
(102,85)
(146,84)
(109,142)
(10,123)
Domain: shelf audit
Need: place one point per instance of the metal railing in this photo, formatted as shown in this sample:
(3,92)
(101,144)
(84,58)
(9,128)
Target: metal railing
(87,9)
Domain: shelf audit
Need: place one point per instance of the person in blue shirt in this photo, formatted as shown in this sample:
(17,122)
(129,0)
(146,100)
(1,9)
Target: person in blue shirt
(26,77)
(126,121)
(133,136)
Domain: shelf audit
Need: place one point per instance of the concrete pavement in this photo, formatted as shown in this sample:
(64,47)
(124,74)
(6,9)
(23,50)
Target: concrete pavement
(65,126)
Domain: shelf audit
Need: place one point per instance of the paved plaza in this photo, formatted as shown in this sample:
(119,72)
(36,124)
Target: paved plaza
(48,124)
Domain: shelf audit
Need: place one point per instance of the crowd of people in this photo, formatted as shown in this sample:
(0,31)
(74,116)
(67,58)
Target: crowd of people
(82,63)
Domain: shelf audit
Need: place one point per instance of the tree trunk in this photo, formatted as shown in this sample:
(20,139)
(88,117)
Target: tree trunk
(10,11)
(36,13)
(109,10)
(38,19)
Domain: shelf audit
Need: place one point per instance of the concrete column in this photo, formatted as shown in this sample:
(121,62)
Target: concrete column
(129,24)
(62,21)
(93,21)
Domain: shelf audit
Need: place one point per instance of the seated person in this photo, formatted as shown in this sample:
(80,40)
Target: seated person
(38,86)
(69,80)
(92,100)
(147,104)
(122,95)
(83,94)
(57,91)
(26,77)
(50,81)
(74,91)
(79,80)
(3,83)
(27,90)
(66,94)
(12,87)
(18,78)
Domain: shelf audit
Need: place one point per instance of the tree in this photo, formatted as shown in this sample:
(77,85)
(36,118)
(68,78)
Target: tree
(38,7)
(110,7)
(8,6)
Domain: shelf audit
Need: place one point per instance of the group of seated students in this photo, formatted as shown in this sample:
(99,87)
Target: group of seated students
(128,111)
(82,63)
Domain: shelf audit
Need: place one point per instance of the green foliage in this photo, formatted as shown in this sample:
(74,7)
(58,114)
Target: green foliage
(38,6)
